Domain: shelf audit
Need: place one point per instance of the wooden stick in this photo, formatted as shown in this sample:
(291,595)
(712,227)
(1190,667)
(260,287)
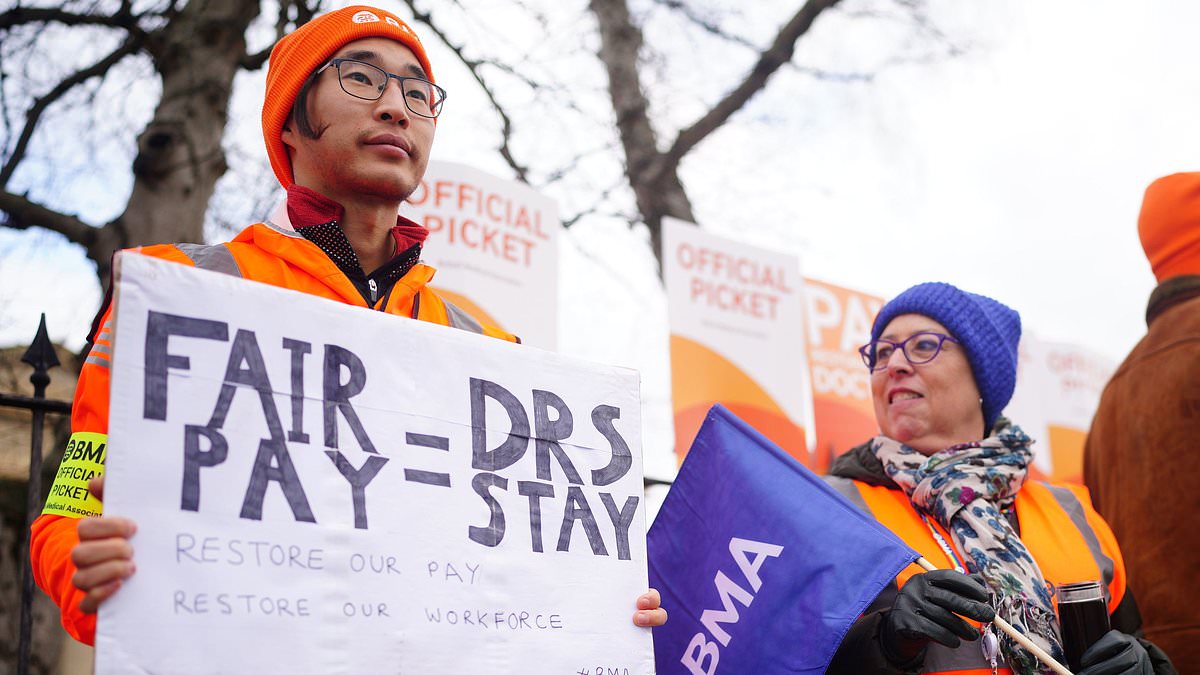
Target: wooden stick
(1013,633)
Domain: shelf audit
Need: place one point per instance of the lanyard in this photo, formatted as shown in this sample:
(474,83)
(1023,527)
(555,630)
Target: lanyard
(989,643)
(945,546)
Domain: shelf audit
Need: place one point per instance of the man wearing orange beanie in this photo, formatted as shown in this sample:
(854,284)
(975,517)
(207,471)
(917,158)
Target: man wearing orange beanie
(348,119)
(1140,457)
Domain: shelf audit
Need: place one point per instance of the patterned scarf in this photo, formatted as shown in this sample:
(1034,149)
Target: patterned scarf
(965,488)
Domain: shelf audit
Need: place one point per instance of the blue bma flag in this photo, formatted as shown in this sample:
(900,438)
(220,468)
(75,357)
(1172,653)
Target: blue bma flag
(762,566)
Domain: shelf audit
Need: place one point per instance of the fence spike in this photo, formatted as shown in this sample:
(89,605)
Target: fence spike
(41,357)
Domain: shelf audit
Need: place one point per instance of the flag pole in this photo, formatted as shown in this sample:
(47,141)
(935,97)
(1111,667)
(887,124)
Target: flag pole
(1013,633)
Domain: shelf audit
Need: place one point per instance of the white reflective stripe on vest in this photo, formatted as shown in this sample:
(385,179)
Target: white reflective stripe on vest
(212,258)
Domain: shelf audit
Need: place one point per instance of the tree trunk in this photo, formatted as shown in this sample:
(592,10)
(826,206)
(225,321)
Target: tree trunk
(180,156)
(655,183)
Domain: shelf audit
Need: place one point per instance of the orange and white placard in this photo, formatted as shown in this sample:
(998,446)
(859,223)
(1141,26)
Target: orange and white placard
(737,335)
(1058,389)
(839,322)
(495,245)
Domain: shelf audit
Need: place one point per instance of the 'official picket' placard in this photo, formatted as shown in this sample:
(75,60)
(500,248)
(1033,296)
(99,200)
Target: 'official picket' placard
(322,488)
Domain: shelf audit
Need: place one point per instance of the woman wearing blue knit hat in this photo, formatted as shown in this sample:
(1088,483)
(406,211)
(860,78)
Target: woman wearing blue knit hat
(947,474)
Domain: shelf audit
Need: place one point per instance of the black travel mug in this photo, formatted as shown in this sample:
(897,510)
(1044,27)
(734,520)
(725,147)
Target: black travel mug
(1083,615)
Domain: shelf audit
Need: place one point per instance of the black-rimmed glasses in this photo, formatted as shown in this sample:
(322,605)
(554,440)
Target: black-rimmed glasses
(365,81)
(917,348)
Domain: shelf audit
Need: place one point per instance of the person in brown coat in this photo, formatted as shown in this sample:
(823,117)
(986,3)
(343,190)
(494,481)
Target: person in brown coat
(1141,456)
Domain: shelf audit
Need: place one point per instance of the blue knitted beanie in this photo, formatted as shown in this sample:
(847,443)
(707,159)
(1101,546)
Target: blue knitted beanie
(987,329)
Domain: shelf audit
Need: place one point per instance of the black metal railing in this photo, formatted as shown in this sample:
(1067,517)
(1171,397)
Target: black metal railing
(41,357)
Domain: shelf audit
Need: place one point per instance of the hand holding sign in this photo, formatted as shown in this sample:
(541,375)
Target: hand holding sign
(103,557)
(650,612)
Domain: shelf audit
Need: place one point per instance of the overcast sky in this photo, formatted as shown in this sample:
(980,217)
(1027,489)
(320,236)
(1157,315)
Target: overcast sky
(1015,171)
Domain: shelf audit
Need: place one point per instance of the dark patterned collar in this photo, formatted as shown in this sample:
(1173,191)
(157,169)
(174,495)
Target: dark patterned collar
(317,218)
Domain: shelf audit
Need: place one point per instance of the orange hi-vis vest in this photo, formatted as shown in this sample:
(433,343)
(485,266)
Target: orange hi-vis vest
(1063,533)
(263,252)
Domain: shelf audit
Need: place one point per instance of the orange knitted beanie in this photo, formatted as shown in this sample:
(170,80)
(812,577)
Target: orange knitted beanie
(1169,225)
(307,48)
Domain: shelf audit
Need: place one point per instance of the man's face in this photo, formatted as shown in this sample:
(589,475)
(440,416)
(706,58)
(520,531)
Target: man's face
(373,150)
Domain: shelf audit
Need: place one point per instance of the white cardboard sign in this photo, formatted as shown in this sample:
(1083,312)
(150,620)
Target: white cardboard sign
(322,488)
(495,245)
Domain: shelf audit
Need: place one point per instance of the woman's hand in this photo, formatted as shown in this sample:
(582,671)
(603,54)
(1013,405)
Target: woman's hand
(1116,654)
(103,557)
(650,613)
(924,612)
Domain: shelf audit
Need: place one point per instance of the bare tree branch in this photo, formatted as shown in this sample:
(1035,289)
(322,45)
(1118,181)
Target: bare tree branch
(511,71)
(23,214)
(8,122)
(705,24)
(913,12)
(129,46)
(506,131)
(779,53)
(595,209)
(615,274)
(919,14)
(256,60)
(830,76)
(569,166)
(123,18)
(564,94)
(531,9)
(305,11)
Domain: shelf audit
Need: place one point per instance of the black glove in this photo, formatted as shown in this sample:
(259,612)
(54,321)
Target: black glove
(1116,654)
(924,612)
